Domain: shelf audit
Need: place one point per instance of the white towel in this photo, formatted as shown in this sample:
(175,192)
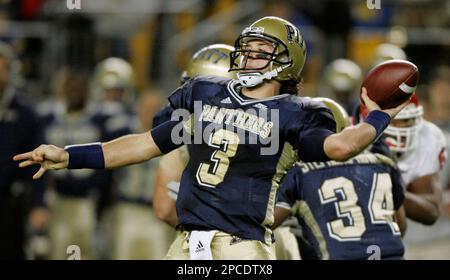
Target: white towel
(200,244)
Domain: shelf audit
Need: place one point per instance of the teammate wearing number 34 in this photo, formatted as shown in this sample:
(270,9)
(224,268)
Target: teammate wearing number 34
(229,185)
(346,209)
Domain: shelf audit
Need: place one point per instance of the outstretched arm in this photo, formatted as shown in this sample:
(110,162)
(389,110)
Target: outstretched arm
(129,149)
(353,140)
(122,151)
(126,150)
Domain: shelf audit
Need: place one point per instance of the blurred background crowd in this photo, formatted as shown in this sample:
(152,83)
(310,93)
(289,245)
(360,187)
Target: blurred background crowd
(103,70)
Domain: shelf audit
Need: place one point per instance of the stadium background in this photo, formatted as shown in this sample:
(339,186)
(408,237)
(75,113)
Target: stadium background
(159,37)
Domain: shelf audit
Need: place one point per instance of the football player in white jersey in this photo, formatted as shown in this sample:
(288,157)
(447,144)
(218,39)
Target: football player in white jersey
(420,149)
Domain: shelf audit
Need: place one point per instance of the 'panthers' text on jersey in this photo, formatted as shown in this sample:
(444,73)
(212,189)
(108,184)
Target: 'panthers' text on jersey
(229,183)
(347,209)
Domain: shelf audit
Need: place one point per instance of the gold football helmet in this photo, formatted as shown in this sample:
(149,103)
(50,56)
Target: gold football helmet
(286,61)
(211,60)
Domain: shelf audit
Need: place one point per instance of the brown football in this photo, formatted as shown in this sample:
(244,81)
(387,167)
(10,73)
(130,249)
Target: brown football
(391,83)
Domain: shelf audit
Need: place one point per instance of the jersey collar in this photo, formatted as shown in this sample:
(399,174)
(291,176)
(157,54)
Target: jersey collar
(231,86)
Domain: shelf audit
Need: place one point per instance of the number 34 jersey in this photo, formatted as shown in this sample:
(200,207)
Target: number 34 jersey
(347,209)
(245,147)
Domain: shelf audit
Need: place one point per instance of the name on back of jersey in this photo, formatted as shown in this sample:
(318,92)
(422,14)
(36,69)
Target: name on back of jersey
(360,159)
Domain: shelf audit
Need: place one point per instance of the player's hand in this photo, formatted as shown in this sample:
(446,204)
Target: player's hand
(48,156)
(371,105)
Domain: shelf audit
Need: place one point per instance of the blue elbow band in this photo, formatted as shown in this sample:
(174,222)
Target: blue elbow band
(86,156)
(379,120)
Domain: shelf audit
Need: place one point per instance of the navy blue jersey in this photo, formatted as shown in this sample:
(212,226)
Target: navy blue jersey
(230,181)
(93,125)
(346,207)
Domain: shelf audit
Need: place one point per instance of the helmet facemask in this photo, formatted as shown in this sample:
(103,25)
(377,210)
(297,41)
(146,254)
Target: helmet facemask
(276,60)
(405,139)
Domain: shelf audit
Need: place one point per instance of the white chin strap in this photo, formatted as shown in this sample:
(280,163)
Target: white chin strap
(252,79)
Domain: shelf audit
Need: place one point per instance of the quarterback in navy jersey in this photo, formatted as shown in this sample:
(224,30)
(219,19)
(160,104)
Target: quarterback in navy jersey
(230,183)
(241,187)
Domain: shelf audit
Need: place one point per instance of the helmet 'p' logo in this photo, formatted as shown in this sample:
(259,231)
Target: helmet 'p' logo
(293,34)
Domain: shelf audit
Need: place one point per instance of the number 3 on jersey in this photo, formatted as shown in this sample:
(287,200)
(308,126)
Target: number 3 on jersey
(220,158)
